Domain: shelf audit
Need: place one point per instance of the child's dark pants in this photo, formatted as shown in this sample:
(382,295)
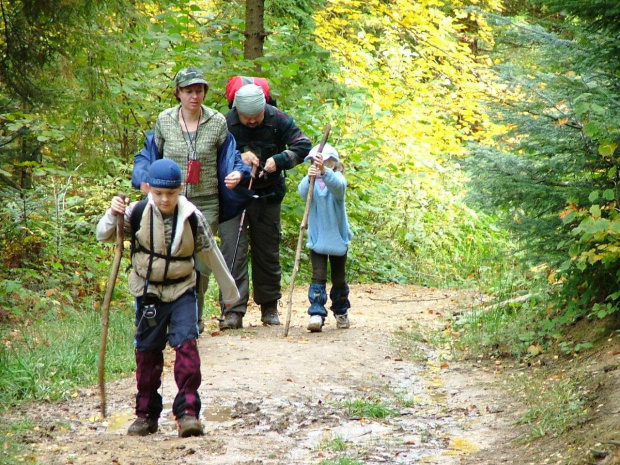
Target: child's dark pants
(338,269)
(176,323)
(340,290)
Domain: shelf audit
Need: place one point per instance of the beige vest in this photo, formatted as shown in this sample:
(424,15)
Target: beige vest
(181,271)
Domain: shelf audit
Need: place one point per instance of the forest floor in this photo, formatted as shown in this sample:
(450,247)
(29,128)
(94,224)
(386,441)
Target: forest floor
(272,400)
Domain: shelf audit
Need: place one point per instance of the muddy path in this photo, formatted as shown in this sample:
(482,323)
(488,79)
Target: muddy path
(274,400)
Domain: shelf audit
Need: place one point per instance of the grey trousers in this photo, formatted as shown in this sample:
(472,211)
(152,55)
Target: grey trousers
(259,242)
(209,206)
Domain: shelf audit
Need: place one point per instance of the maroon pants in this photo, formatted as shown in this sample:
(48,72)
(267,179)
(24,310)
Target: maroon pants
(186,374)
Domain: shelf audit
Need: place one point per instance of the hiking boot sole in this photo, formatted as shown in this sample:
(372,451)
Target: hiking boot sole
(189,432)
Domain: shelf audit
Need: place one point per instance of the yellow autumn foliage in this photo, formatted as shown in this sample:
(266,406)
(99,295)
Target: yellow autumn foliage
(416,63)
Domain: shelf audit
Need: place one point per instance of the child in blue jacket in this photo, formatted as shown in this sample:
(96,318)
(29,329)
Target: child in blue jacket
(328,237)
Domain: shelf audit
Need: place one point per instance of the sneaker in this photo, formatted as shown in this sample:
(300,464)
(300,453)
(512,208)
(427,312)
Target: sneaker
(316,324)
(231,320)
(189,426)
(143,427)
(342,321)
(269,314)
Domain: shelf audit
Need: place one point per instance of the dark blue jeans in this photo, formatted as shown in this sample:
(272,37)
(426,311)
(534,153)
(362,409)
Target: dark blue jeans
(175,323)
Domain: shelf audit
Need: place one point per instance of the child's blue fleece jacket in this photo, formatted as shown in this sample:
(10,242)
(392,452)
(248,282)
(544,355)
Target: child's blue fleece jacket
(328,227)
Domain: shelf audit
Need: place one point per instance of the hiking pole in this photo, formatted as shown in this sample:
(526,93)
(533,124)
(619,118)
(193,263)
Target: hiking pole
(232,265)
(105,308)
(302,227)
(241,222)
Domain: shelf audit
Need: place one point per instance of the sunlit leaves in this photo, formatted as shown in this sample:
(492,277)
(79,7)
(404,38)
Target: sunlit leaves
(423,95)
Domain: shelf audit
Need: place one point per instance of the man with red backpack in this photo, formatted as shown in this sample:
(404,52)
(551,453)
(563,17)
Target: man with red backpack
(237,82)
(270,140)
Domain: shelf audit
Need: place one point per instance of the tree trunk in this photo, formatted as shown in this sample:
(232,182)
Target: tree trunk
(254,29)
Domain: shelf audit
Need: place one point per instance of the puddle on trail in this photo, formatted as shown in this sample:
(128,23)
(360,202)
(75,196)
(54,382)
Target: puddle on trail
(459,446)
(217,413)
(120,420)
(429,432)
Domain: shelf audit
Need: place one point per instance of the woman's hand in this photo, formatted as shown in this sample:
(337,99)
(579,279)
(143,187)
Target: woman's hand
(250,158)
(233,179)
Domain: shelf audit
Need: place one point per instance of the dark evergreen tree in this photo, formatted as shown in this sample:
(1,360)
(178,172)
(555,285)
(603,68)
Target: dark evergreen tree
(554,173)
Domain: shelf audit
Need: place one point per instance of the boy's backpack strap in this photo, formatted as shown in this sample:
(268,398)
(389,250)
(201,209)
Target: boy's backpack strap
(134,219)
(193,223)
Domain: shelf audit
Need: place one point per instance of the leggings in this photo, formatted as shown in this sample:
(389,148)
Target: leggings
(338,269)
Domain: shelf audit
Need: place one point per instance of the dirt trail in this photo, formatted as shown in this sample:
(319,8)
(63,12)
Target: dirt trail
(274,400)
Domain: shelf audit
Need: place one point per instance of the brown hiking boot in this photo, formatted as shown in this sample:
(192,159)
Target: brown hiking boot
(269,314)
(143,427)
(231,320)
(189,426)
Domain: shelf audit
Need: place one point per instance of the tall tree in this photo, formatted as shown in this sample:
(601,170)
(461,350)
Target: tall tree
(254,29)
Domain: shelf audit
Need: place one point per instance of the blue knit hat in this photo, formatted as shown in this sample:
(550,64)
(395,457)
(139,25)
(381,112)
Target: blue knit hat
(165,174)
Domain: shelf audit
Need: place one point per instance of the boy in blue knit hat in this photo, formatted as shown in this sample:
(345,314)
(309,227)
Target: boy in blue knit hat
(170,240)
(328,237)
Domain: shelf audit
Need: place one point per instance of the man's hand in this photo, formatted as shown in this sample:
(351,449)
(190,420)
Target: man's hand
(270,167)
(233,179)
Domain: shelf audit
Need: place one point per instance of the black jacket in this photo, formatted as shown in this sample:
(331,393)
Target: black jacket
(279,137)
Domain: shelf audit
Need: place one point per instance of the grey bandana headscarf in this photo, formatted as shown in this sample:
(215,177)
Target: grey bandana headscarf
(250,100)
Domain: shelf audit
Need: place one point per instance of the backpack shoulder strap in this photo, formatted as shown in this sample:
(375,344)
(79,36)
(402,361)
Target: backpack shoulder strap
(134,219)
(193,223)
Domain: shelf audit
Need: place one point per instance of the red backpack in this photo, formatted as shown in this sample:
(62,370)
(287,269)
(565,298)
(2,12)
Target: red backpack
(235,83)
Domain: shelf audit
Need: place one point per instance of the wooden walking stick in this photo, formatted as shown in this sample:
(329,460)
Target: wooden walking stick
(302,228)
(105,308)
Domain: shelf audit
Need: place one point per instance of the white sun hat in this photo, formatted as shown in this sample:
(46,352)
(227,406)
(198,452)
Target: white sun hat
(328,152)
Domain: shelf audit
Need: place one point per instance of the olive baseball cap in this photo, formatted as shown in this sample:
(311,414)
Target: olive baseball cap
(190,76)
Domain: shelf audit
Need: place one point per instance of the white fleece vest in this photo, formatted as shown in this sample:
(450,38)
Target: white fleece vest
(181,271)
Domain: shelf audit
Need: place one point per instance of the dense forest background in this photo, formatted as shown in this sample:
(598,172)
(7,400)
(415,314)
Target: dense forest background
(480,139)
